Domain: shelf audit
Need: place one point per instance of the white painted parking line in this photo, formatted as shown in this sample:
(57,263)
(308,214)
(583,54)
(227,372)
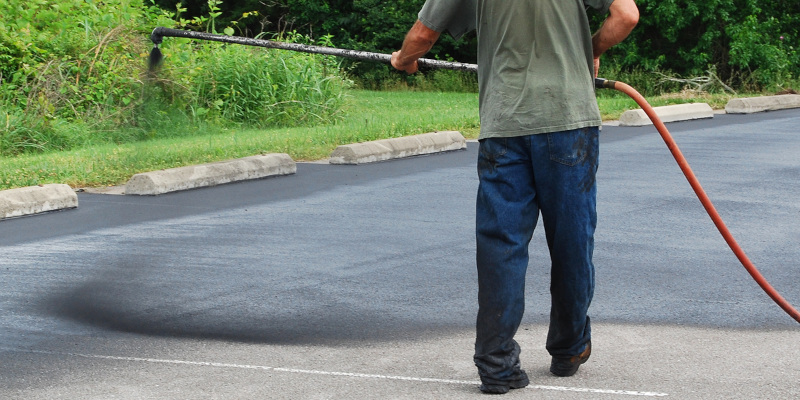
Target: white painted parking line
(332,373)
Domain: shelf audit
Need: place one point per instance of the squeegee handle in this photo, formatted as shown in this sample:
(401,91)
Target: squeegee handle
(160,32)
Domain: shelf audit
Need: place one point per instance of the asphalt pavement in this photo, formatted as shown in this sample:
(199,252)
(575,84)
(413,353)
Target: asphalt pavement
(345,281)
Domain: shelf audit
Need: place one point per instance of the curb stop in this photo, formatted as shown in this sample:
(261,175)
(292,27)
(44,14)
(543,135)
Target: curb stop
(212,174)
(36,199)
(678,112)
(407,146)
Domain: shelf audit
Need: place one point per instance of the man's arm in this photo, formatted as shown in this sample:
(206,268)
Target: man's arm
(418,41)
(623,15)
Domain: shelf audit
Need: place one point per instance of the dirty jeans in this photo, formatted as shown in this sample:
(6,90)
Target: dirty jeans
(520,177)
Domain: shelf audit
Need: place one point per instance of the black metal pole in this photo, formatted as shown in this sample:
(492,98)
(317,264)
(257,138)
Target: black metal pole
(160,32)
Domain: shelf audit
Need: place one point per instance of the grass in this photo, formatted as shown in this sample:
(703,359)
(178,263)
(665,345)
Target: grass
(368,116)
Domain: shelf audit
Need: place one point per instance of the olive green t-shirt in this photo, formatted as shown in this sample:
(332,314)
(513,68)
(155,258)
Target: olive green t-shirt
(535,69)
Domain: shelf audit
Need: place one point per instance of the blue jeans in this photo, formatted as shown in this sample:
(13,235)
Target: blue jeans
(521,177)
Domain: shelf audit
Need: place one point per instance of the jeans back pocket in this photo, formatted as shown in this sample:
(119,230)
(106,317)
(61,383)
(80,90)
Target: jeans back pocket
(571,147)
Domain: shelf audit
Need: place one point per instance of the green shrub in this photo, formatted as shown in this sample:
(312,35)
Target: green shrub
(760,51)
(69,71)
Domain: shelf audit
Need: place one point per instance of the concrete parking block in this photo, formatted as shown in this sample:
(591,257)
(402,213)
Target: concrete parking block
(750,105)
(387,149)
(678,112)
(36,199)
(196,176)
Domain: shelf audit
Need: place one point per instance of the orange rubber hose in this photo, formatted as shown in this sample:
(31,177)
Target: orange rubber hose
(701,194)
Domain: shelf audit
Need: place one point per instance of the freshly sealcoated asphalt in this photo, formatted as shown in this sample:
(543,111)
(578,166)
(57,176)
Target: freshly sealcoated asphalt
(359,281)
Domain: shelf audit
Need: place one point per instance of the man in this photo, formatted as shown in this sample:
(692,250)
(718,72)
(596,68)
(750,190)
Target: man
(538,154)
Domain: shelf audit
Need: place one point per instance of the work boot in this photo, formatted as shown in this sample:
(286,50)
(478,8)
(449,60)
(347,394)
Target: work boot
(568,366)
(520,381)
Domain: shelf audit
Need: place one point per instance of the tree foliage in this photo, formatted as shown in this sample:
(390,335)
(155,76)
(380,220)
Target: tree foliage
(745,41)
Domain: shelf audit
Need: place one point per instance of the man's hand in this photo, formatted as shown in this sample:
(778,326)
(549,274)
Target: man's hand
(623,15)
(418,41)
(404,65)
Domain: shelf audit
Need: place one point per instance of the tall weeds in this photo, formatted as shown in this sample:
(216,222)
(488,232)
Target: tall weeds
(263,88)
(73,74)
